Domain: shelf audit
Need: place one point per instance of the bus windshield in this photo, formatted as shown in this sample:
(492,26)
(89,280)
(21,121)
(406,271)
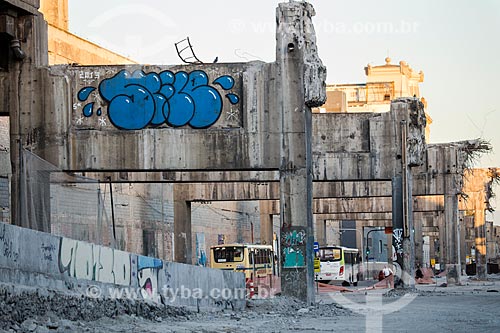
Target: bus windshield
(330,254)
(228,254)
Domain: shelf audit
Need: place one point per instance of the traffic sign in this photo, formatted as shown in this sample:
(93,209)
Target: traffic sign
(317,265)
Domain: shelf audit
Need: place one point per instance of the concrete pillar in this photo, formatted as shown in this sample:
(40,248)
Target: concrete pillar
(183,247)
(26,96)
(442,240)
(266,223)
(301,80)
(462,242)
(451,220)
(480,240)
(410,136)
(419,240)
(320,229)
(389,248)
(403,252)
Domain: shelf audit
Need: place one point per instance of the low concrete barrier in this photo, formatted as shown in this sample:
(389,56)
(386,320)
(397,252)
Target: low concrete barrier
(38,259)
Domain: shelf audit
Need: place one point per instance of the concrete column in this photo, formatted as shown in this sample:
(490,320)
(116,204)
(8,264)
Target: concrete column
(442,240)
(26,95)
(268,209)
(409,238)
(301,79)
(462,242)
(402,233)
(320,228)
(451,220)
(480,240)
(419,240)
(389,248)
(266,229)
(408,227)
(183,247)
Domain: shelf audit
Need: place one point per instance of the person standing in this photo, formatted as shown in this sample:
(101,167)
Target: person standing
(389,276)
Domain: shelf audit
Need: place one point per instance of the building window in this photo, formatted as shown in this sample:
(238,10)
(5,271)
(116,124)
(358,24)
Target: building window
(387,97)
(380,246)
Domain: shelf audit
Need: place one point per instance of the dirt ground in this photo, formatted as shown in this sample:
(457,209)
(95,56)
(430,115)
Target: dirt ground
(473,306)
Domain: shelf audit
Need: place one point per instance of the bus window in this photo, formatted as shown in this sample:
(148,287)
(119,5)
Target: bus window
(229,254)
(330,254)
(238,254)
(261,257)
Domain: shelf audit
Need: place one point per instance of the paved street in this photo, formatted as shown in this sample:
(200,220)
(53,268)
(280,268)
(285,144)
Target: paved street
(470,307)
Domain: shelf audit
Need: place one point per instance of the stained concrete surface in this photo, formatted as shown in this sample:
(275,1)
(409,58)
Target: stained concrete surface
(472,306)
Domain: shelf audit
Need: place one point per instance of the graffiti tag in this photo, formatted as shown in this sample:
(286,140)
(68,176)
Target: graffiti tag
(7,248)
(294,238)
(137,100)
(147,277)
(47,251)
(397,234)
(93,262)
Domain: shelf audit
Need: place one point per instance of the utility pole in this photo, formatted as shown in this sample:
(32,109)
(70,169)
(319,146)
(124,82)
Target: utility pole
(367,248)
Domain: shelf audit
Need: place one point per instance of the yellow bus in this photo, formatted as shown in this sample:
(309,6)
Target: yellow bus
(256,261)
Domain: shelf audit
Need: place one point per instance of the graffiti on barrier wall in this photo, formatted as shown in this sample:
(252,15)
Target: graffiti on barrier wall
(48,251)
(201,250)
(93,262)
(147,277)
(138,100)
(293,248)
(8,248)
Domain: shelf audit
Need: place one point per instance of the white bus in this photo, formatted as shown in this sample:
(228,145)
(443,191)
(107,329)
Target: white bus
(339,265)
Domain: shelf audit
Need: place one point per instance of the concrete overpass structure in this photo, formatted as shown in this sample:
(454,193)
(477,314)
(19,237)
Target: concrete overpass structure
(257,117)
(237,131)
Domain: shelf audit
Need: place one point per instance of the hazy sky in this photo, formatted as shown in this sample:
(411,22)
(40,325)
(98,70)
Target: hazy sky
(455,43)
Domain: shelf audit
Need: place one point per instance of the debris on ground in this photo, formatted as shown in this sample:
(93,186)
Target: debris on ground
(31,310)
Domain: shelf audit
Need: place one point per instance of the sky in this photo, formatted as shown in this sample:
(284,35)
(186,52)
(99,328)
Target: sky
(455,43)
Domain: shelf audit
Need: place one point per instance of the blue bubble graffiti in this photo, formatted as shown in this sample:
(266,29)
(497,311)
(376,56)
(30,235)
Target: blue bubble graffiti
(137,100)
(88,110)
(233,98)
(85,93)
(226,82)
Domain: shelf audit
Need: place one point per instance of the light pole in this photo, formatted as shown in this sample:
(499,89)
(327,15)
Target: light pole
(367,248)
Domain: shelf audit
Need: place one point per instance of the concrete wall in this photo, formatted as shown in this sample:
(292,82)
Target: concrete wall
(4,200)
(27,5)
(228,101)
(5,170)
(367,146)
(38,259)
